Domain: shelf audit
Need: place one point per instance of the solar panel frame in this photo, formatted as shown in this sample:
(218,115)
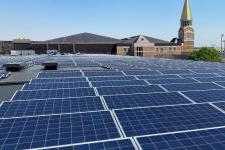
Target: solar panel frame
(157,77)
(209,139)
(50,106)
(57,80)
(119,83)
(111,78)
(120,144)
(144,100)
(172,81)
(191,86)
(55,85)
(53,130)
(103,91)
(53,93)
(160,120)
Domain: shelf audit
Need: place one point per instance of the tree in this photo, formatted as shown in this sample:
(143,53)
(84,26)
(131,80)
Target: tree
(206,54)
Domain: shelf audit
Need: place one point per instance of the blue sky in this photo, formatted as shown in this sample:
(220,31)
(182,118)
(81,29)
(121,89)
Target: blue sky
(47,19)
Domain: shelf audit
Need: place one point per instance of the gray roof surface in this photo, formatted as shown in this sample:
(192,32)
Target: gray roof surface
(86,38)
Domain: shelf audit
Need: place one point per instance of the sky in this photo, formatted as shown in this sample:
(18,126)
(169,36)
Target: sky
(48,19)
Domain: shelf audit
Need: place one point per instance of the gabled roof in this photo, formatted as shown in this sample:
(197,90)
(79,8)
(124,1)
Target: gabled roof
(132,40)
(85,38)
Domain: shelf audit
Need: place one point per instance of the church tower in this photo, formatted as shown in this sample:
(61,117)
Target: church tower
(186,32)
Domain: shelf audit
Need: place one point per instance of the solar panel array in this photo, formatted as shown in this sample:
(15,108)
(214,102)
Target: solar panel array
(112,102)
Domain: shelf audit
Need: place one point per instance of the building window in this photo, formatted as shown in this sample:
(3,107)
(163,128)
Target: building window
(157,49)
(170,48)
(161,49)
(174,48)
(140,51)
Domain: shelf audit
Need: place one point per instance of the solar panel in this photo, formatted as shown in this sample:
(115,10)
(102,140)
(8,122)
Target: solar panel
(54,130)
(211,79)
(118,83)
(59,75)
(111,78)
(50,106)
(144,121)
(144,100)
(53,80)
(103,73)
(128,90)
(56,93)
(221,83)
(170,81)
(206,96)
(56,85)
(157,77)
(139,72)
(192,86)
(207,71)
(176,72)
(123,144)
(202,75)
(213,139)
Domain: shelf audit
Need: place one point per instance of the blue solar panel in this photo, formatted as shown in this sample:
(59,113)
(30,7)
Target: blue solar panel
(56,85)
(157,77)
(50,106)
(59,75)
(203,75)
(207,71)
(213,139)
(103,73)
(206,96)
(112,78)
(139,72)
(211,79)
(221,83)
(129,90)
(45,131)
(56,93)
(54,80)
(136,122)
(143,100)
(170,81)
(119,83)
(176,72)
(192,86)
(123,144)
(221,105)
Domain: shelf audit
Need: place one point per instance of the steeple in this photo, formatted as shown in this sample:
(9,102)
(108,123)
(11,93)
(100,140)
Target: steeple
(186,17)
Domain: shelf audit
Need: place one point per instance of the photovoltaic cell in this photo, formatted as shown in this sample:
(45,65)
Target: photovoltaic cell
(58,80)
(103,73)
(65,85)
(176,72)
(56,93)
(59,75)
(125,144)
(128,90)
(192,86)
(54,130)
(155,77)
(111,78)
(50,106)
(170,81)
(145,121)
(139,72)
(214,79)
(144,100)
(213,139)
(118,83)
(206,96)
(197,75)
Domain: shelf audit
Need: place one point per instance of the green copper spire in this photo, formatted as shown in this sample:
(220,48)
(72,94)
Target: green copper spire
(186,14)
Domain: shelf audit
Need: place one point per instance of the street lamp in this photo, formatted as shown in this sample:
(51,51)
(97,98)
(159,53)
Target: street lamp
(222,35)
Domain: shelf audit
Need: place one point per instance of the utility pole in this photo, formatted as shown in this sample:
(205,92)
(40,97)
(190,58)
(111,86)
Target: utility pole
(223,46)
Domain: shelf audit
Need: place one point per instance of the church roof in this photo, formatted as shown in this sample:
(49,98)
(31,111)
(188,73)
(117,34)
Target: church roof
(133,39)
(85,38)
(186,14)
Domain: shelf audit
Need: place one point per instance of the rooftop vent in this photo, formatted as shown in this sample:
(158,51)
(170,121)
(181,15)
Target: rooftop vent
(50,65)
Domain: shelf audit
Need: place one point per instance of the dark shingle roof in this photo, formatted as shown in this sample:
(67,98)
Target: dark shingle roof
(133,39)
(86,38)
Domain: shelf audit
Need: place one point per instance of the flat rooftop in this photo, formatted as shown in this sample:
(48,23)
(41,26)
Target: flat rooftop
(112,102)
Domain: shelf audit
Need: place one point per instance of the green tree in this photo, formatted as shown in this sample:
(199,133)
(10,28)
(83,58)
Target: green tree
(206,54)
